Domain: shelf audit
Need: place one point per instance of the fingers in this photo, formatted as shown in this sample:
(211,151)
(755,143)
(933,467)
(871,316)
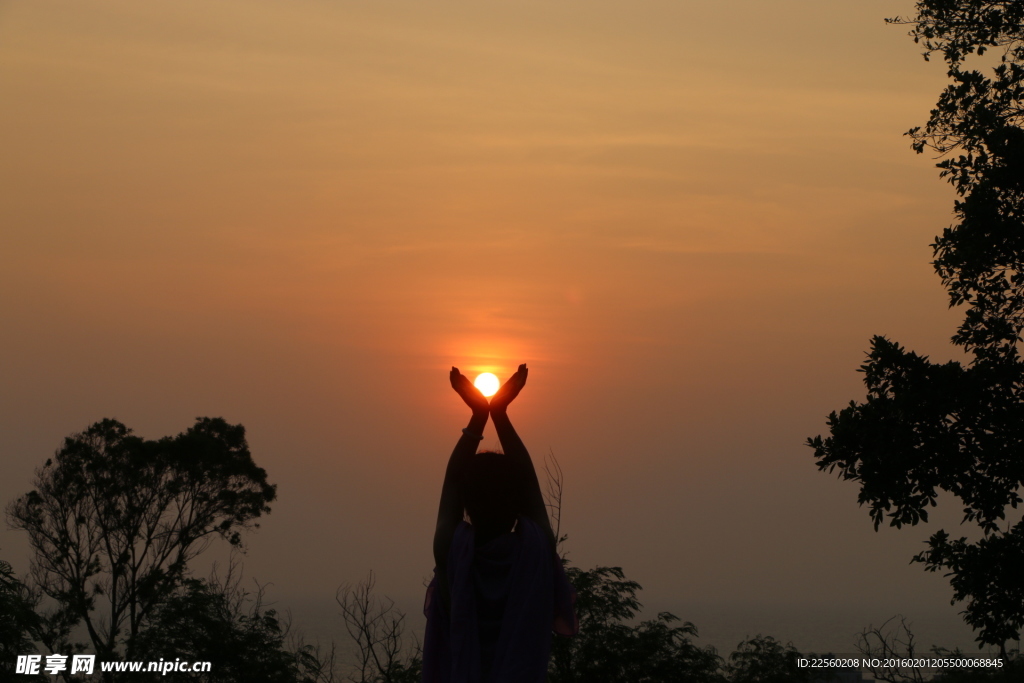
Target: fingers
(518,379)
(470,394)
(519,376)
(510,389)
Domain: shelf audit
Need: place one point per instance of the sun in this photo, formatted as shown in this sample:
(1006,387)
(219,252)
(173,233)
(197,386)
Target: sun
(487,383)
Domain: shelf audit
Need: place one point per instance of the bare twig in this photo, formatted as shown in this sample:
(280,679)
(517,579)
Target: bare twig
(553,497)
(378,629)
(890,643)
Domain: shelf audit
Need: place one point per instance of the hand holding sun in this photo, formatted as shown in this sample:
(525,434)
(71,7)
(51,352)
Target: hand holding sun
(487,383)
(469,393)
(509,390)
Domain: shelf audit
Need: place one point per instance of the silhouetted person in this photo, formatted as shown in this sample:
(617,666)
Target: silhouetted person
(499,589)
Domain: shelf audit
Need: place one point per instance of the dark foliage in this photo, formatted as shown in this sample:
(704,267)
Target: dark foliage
(206,622)
(928,427)
(610,650)
(977,126)
(763,659)
(114,521)
(19,624)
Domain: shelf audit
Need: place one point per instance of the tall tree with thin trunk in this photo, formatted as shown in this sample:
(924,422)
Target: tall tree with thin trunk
(114,521)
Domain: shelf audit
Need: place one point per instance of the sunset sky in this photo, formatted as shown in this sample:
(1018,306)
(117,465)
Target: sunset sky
(687,217)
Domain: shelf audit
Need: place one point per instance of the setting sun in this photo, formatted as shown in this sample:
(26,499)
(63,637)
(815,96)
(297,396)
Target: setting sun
(329,220)
(487,383)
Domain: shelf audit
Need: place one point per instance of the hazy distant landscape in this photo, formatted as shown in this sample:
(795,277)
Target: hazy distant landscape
(701,224)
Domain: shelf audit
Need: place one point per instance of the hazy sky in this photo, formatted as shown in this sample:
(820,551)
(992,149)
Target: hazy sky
(687,217)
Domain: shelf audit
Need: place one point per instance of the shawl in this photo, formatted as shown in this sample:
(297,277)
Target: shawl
(506,599)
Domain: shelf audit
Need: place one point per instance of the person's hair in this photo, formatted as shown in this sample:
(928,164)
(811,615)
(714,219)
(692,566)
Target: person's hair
(492,488)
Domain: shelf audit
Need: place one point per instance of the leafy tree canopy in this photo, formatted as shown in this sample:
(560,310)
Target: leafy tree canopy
(206,622)
(19,625)
(608,649)
(763,659)
(926,427)
(115,519)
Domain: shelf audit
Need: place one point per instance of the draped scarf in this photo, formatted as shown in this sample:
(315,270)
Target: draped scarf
(507,597)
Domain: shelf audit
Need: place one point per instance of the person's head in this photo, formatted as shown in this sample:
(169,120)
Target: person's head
(492,487)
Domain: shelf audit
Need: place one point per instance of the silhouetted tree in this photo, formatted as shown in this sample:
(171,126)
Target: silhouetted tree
(893,645)
(928,427)
(763,659)
(609,650)
(19,624)
(114,521)
(377,629)
(218,622)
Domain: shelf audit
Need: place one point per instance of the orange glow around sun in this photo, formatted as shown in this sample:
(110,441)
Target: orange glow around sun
(487,383)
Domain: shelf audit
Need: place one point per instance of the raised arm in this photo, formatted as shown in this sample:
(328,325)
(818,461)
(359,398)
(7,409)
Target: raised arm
(449,511)
(513,446)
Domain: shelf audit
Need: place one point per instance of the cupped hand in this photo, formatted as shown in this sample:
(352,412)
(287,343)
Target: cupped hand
(469,393)
(509,390)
